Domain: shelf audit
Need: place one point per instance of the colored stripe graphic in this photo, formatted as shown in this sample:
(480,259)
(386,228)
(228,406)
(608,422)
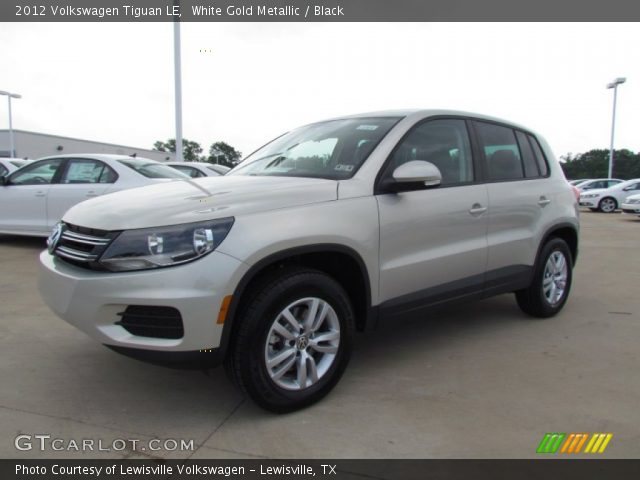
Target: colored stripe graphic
(598,443)
(574,443)
(550,442)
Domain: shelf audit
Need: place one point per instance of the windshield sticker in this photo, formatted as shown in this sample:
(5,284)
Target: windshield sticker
(343,168)
(369,128)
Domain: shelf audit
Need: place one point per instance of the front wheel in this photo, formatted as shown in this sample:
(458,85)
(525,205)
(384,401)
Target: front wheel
(551,283)
(607,205)
(294,340)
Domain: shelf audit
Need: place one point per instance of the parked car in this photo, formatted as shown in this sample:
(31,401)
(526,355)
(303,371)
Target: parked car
(39,193)
(608,200)
(199,169)
(9,165)
(631,204)
(326,230)
(598,183)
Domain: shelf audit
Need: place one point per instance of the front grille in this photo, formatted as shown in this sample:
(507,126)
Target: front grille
(83,246)
(152,321)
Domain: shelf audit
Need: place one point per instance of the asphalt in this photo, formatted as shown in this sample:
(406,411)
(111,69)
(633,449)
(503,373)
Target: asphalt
(473,381)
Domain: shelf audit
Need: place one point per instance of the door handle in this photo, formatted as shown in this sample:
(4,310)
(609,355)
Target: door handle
(40,194)
(92,194)
(544,201)
(477,209)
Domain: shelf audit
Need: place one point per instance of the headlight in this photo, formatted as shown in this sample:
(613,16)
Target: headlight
(164,246)
(590,195)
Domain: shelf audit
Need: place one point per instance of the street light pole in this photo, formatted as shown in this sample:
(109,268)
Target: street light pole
(614,85)
(11,142)
(178,85)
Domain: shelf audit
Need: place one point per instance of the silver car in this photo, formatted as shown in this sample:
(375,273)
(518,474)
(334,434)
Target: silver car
(325,231)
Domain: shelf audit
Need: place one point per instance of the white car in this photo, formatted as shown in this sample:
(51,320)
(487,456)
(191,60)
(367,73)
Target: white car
(318,233)
(631,205)
(35,197)
(10,165)
(607,200)
(598,183)
(199,169)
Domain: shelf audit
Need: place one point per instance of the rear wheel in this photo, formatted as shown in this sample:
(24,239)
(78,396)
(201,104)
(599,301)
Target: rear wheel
(551,283)
(294,340)
(608,205)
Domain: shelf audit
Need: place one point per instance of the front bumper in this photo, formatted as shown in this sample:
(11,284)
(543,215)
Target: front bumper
(633,208)
(91,300)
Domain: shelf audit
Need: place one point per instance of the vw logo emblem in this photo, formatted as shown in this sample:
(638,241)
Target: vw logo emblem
(302,342)
(52,241)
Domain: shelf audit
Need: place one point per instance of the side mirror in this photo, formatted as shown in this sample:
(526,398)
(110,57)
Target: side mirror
(413,175)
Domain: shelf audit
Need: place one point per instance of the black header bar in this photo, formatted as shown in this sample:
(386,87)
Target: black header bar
(318,10)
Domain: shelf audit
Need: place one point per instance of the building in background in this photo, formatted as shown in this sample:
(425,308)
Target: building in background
(35,145)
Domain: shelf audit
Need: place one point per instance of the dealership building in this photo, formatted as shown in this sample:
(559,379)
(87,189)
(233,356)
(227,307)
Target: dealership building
(33,145)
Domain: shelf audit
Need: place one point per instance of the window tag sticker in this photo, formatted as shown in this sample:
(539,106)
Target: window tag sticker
(369,128)
(343,168)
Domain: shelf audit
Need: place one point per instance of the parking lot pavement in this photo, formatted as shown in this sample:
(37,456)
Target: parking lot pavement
(472,381)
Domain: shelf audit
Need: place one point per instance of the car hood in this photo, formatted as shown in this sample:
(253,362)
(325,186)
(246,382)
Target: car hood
(183,201)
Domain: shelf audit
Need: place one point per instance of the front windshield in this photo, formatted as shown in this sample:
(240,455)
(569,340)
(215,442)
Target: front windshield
(151,169)
(333,149)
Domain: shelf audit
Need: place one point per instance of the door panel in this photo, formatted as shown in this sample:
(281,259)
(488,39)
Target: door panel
(433,242)
(23,208)
(519,198)
(517,211)
(429,238)
(24,200)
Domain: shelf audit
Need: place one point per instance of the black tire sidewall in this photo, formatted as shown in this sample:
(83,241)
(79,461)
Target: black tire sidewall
(307,284)
(553,245)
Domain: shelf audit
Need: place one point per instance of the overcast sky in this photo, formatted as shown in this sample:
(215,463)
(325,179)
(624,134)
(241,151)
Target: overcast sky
(113,82)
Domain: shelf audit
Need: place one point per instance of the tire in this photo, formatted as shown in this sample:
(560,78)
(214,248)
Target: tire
(543,298)
(266,342)
(608,205)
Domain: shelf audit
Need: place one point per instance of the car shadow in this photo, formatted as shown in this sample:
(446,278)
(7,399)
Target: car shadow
(210,391)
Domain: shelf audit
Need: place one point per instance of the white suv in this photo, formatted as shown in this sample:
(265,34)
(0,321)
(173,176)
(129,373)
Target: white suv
(322,232)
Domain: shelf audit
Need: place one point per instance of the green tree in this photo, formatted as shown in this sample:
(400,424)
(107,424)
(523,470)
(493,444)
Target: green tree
(190,150)
(595,164)
(222,152)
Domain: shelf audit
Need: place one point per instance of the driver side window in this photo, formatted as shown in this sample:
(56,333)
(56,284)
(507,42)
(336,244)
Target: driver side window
(39,173)
(444,143)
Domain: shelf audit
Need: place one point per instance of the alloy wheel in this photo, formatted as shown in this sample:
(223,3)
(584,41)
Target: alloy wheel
(554,278)
(302,343)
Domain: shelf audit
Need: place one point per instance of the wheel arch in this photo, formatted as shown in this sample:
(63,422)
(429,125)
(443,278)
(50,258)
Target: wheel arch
(342,263)
(567,232)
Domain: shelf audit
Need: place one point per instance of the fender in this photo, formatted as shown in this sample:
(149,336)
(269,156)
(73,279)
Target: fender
(371,317)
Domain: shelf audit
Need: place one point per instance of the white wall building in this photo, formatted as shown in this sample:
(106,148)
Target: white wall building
(34,145)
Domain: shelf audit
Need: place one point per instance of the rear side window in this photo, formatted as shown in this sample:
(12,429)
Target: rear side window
(528,159)
(88,171)
(540,158)
(501,151)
